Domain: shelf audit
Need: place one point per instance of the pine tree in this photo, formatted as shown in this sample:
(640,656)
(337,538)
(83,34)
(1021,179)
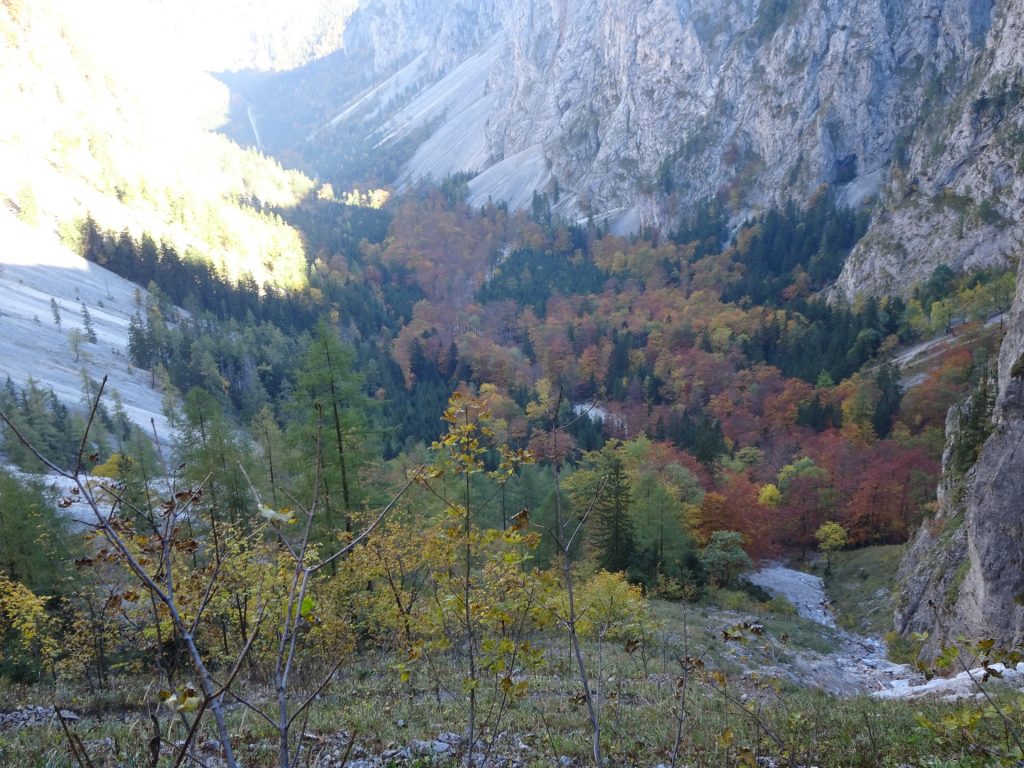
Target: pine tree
(90,331)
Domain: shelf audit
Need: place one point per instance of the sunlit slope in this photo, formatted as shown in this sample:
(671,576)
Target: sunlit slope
(37,275)
(98,122)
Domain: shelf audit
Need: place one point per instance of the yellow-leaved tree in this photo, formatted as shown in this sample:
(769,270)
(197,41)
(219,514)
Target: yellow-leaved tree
(25,628)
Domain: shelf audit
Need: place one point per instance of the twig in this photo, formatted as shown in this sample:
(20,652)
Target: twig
(149,582)
(570,621)
(251,707)
(74,742)
(1002,716)
(680,713)
(193,727)
(366,531)
(320,689)
(1007,725)
(88,426)
(348,749)
(547,734)
(751,714)
(871,738)
(154,743)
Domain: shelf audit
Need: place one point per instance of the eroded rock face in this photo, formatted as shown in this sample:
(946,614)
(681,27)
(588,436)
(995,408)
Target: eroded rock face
(904,245)
(388,33)
(963,574)
(708,97)
(646,108)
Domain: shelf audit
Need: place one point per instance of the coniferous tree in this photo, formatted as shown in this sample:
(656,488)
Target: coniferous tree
(140,349)
(90,331)
(330,396)
(890,397)
(975,425)
(612,529)
(35,540)
(212,452)
(604,484)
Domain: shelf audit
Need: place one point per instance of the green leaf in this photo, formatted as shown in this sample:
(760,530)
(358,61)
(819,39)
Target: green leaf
(307,606)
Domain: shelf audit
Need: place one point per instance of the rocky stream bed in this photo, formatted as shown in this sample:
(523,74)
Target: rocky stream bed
(860,665)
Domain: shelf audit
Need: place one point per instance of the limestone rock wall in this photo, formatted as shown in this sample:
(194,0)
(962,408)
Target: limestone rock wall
(639,110)
(963,574)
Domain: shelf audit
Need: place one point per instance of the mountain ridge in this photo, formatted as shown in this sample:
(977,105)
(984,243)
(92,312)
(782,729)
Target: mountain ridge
(635,113)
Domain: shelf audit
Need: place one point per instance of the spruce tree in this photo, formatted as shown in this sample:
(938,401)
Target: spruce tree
(611,527)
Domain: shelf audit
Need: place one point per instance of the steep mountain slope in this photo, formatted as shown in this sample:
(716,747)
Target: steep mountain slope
(96,124)
(35,271)
(635,112)
(102,123)
(963,574)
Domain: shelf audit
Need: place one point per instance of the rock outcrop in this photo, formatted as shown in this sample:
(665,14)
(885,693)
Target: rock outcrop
(636,111)
(963,574)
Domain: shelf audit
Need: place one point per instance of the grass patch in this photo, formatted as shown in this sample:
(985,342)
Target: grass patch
(734,713)
(861,588)
(953,590)
(728,719)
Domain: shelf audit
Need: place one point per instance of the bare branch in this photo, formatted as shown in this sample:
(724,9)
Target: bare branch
(148,581)
(32,449)
(88,426)
(244,652)
(320,688)
(74,743)
(590,509)
(251,707)
(207,595)
(259,502)
(190,736)
(366,531)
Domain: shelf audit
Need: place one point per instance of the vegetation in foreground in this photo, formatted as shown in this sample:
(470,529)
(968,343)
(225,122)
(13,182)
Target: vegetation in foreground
(727,718)
(745,415)
(270,641)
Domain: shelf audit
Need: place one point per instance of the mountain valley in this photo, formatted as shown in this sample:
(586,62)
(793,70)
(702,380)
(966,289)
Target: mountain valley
(390,382)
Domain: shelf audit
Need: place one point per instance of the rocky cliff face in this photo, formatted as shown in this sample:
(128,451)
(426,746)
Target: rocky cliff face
(756,100)
(963,574)
(637,110)
(958,199)
(388,33)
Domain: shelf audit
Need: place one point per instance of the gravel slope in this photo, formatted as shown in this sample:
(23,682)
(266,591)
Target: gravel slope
(34,269)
